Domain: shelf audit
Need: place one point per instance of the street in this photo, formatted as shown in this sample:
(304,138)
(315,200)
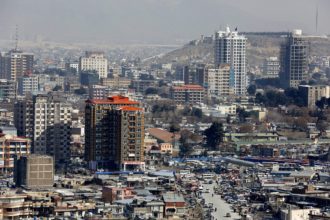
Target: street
(222,207)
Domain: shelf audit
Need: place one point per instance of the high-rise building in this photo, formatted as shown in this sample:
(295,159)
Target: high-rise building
(7,89)
(217,81)
(34,171)
(230,48)
(15,64)
(194,74)
(94,61)
(28,84)
(271,67)
(294,60)
(114,133)
(46,119)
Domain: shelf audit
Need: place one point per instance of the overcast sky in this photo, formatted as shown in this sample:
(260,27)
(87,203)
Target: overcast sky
(154,21)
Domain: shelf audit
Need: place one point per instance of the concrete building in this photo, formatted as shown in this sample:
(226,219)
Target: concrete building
(28,84)
(116,82)
(46,119)
(15,64)
(94,61)
(34,171)
(191,94)
(271,67)
(114,129)
(217,82)
(7,89)
(98,92)
(12,147)
(230,48)
(311,94)
(294,60)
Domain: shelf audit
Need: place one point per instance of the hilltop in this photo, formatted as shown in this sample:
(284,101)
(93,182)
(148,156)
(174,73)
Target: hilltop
(259,46)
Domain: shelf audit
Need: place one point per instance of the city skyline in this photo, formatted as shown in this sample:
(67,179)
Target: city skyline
(150,21)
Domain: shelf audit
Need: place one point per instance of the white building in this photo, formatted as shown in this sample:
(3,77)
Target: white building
(230,48)
(27,84)
(94,61)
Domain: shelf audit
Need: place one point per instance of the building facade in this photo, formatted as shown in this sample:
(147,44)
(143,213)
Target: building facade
(12,147)
(311,94)
(217,82)
(15,64)
(294,60)
(114,133)
(230,48)
(271,67)
(28,84)
(46,119)
(94,61)
(8,89)
(34,171)
(191,94)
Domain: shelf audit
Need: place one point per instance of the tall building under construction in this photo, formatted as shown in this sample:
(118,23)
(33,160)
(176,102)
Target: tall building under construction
(294,60)
(114,134)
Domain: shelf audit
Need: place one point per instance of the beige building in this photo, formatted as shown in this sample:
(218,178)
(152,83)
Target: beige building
(34,171)
(311,94)
(46,119)
(185,94)
(94,61)
(116,82)
(217,82)
(15,64)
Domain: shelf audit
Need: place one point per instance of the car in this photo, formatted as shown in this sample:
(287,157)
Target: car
(228,215)
(207,191)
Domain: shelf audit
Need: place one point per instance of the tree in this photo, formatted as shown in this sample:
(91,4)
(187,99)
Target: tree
(151,90)
(80,91)
(214,135)
(252,90)
(174,127)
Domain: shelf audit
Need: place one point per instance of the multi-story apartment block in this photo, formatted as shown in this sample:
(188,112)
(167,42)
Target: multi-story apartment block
(311,94)
(114,133)
(191,94)
(98,92)
(230,48)
(194,74)
(7,89)
(217,82)
(116,82)
(15,64)
(28,84)
(46,119)
(271,67)
(294,60)
(94,61)
(12,147)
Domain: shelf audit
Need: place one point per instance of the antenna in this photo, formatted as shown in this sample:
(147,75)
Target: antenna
(317,17)
(16,38)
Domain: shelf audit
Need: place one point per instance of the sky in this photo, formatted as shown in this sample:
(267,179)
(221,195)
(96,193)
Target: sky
(154,21)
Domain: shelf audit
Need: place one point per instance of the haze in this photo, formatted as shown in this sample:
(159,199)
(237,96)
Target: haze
(154,21)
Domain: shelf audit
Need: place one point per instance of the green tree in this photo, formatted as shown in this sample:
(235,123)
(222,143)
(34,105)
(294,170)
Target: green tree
(151,90)
(252,90)
(174,127)
(214,135)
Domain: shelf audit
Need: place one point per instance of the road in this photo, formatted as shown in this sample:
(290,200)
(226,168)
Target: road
(222,207)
